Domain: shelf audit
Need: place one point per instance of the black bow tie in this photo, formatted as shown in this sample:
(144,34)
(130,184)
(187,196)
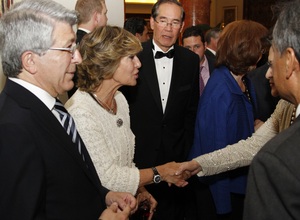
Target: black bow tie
(169,54)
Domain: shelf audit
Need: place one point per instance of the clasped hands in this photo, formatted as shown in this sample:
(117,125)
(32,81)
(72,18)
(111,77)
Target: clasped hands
(178,173)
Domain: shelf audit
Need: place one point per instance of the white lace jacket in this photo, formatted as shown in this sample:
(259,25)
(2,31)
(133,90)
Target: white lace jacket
(242,153)
(110,146)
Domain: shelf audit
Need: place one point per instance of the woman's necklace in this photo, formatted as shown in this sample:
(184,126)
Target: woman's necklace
(293,116)
(246,90)
(111,110)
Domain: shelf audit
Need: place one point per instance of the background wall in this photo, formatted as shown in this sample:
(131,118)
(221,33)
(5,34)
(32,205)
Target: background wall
(216,9)
(115,16)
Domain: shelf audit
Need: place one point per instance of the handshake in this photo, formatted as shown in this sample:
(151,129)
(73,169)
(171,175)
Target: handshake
(178,173)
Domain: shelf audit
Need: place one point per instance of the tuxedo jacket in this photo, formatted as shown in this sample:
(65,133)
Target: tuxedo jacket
(79,35)
(164,136)
(274,178)
(42,175)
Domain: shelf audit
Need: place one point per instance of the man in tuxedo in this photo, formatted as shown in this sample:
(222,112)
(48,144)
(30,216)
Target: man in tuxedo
(92,14)
(274,178)
(163,104)
(193,39)
(43,173)
(211,40)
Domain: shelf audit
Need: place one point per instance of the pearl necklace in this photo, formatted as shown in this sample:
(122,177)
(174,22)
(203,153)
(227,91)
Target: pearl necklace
(111,110)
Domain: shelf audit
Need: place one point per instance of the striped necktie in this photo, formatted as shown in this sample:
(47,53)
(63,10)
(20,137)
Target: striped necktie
(69,125)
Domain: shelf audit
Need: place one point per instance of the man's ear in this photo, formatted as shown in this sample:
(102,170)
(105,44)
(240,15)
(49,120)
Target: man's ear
(29,62)
(96,18)
(138,36)
(152,23)
(291,62)
(182,26)
(295,62)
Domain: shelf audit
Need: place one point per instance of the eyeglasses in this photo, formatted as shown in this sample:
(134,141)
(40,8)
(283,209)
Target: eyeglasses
(164,23)
(269,63)
(71,50)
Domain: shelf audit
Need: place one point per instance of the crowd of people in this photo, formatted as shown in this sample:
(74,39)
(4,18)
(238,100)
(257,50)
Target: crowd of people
(153,128)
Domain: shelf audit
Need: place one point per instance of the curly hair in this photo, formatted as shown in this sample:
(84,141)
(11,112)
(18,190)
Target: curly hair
(101,52)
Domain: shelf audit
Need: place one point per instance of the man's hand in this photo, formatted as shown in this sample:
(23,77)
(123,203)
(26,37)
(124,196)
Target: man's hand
(114,213)
(144,197)
(123,200)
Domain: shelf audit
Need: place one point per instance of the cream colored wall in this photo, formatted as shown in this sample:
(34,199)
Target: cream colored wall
(217,7)
(115,16)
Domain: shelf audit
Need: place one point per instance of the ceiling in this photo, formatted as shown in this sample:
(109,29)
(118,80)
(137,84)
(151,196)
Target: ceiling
(141,1)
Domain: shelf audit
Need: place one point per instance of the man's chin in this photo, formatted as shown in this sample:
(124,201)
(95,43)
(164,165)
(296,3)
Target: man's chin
(274,93)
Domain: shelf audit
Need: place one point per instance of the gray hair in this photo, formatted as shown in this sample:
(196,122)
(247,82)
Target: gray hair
(155,8)
(286,32)
(28,26)
(212,33)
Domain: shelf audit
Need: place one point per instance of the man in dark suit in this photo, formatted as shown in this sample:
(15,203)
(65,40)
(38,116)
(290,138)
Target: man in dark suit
(211,40)
(274,178)
(193,39)
(43,173)
(92,14)
(266,103)
(163,104)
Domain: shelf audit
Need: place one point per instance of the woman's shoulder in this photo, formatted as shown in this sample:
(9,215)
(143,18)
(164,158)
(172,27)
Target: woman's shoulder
(78,100)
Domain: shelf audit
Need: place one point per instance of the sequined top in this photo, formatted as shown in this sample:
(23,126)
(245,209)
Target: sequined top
(242,153)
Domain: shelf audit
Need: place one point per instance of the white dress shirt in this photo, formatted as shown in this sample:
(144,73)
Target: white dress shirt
(164,67)
(41,94)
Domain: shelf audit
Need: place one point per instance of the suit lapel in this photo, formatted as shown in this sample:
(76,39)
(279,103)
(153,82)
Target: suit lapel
(49,122)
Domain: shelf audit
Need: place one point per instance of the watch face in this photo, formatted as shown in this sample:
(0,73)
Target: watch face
(156,179)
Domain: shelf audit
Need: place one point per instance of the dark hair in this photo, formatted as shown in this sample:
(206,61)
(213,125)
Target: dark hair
(193,31)
(135,25)
(154,11)
(240,46)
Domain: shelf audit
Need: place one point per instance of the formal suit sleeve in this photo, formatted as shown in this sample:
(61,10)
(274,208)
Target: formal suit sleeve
(273,190)
(22,181)
(190,116)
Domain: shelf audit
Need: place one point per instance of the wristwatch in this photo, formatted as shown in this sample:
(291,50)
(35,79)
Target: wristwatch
(156,176)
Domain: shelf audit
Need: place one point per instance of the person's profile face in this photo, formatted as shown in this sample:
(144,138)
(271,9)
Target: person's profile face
(273,73)
(56,68)
(127,71)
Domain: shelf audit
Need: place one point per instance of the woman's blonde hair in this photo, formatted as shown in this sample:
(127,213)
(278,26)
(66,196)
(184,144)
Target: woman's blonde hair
(101,52)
